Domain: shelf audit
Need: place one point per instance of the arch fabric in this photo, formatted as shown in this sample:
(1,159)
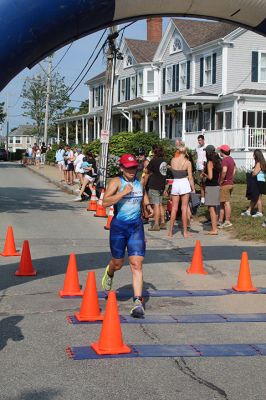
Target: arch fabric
(30,30)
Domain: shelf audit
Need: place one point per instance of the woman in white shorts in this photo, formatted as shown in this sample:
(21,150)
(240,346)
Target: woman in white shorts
(183,184)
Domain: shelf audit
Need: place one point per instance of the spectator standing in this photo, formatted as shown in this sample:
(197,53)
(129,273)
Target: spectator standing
(157,169)
(143,163)
(90,174)
(183,184)
(38,157)
(227,184)
(43,153)
(34,149)
(258,180)
(77,165)
(59,158)
(211,174)
(69,158)
(201,160)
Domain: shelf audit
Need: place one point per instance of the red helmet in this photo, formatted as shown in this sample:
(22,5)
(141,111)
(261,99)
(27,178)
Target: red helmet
(128,161)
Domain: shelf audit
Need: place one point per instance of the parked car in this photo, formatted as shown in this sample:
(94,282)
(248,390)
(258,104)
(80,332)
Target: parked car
(3,154)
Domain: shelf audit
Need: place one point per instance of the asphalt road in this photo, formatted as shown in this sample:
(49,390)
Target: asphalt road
(34,332)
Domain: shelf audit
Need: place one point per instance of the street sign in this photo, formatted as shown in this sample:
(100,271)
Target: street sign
(105,136)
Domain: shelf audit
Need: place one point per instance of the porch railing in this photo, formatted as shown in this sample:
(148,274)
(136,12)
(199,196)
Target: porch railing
(237,139)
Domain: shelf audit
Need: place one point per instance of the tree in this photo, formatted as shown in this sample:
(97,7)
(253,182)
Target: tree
(84,107)
(34,92)
(2,113)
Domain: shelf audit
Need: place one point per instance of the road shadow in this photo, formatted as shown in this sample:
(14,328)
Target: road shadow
(10,330)
(44,394)
(127,292)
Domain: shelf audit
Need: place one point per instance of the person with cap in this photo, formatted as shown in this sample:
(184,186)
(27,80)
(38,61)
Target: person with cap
(201,160)
(128,196)
(226,186)
(211,175)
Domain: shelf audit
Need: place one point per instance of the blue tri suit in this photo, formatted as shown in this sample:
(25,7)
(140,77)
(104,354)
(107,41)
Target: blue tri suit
(126,230)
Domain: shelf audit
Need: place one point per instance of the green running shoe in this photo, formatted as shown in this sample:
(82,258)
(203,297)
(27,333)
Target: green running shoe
(107,280)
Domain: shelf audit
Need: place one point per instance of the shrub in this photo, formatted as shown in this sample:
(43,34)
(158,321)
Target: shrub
(17,155)
(240,176)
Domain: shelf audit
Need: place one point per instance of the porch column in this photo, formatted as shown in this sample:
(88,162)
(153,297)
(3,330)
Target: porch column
(160,120)
(98,127)
(94,127)
(67,132)
(77,132)
(87,131)
(163,123)
(235,116)
(146,127)
(58,133)
(246,137)
(83,134)
(184,107)
(130,122)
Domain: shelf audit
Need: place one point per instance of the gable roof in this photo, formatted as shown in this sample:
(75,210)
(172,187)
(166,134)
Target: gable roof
(99,76)
(23,130)
(197,33)
(142,50)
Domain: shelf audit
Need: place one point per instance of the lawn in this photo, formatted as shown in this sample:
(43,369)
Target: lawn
(245,228)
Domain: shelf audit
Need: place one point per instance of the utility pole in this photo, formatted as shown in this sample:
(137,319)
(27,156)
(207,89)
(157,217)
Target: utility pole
(7,124)
(112,54)
(48,92)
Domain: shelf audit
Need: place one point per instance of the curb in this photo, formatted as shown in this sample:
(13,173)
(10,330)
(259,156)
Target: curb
(65,188)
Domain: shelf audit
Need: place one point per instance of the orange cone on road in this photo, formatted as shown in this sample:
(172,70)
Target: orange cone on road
(92,205)
(25,266)
(244,283)
(89,309)
(10,247)
(197,266)
(111,340)
(110,217)
(101,211)
(71,283)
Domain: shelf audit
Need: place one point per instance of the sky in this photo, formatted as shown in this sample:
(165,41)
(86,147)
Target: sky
(70,67)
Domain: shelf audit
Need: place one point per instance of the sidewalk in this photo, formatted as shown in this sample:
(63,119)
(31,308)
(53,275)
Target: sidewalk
(51,174)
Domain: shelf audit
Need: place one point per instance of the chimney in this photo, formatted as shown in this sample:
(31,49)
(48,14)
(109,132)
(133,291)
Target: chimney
(154,29)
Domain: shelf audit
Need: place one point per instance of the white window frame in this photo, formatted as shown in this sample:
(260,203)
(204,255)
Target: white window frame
(149,83)
(260,68)
(203,120)
(204,70)
(126,64)
(18,140)
(122,89)
(173,48)
(140,83)
(11,139)
(183,82)
(169,79)
(133,86)
(28,140)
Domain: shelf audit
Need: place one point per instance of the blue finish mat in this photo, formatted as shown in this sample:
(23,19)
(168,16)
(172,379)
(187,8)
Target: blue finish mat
(127,294)
(195,350)
(182,319)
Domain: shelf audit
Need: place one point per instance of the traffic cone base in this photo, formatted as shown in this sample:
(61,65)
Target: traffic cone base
(10,247)
(92,206)
(89,318)
(197,266)
(111,340)
(71,283)
(244,283)
(25,265)
(101,210)
(89,309)
(110,217)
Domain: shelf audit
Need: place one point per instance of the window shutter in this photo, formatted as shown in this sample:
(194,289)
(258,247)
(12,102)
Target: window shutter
(255,67)
(164,73)
(173,79)
(188,75)
(93,98)
(201,71)
(177,78)
(118,97)
(214,57)
(99,96)
(136,82)
(127,88)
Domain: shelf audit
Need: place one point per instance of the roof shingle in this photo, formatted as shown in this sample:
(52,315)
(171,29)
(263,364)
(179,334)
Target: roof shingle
(142,50)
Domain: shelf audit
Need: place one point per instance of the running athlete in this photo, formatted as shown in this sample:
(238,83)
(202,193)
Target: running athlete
(127,195)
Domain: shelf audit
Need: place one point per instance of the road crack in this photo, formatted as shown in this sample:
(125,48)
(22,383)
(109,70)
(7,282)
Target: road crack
(185,369)
(151,335)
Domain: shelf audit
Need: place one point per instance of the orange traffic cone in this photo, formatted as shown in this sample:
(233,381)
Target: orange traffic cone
(89,309)
(101,211)
(25,266)
(71,283)
(92,205)
(110,217)
(244,283)
(111,340)
(197,266)
(10,247)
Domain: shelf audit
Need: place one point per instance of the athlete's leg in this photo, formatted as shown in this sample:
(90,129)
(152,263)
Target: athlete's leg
(137,274)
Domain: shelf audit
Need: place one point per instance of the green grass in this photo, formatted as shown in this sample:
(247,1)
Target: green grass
(245,228)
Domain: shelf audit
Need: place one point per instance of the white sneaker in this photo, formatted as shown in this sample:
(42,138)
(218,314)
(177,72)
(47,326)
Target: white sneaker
(257,215)
(202,200)
(246,214)
(264,224)
(226,224)
(77,198)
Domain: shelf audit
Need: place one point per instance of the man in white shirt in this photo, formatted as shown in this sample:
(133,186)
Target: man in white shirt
(201,159)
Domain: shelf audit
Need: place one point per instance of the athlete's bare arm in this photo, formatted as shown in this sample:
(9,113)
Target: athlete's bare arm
(112,196)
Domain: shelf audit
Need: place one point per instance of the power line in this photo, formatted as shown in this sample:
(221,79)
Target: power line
(65,53)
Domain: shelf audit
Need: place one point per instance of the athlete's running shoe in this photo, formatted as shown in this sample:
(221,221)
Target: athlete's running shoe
(107,280)
(138,309)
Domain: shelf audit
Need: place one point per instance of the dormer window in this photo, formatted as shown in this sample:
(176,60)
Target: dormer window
(176,44)
(128,61)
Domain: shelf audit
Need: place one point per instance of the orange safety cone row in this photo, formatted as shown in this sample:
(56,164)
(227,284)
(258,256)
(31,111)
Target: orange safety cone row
(101,211)
(92,205)
(110,217)
(89,309)
(197,266)
(71,283)
(10,247)
(111,340)
(244,283)
(25,266)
